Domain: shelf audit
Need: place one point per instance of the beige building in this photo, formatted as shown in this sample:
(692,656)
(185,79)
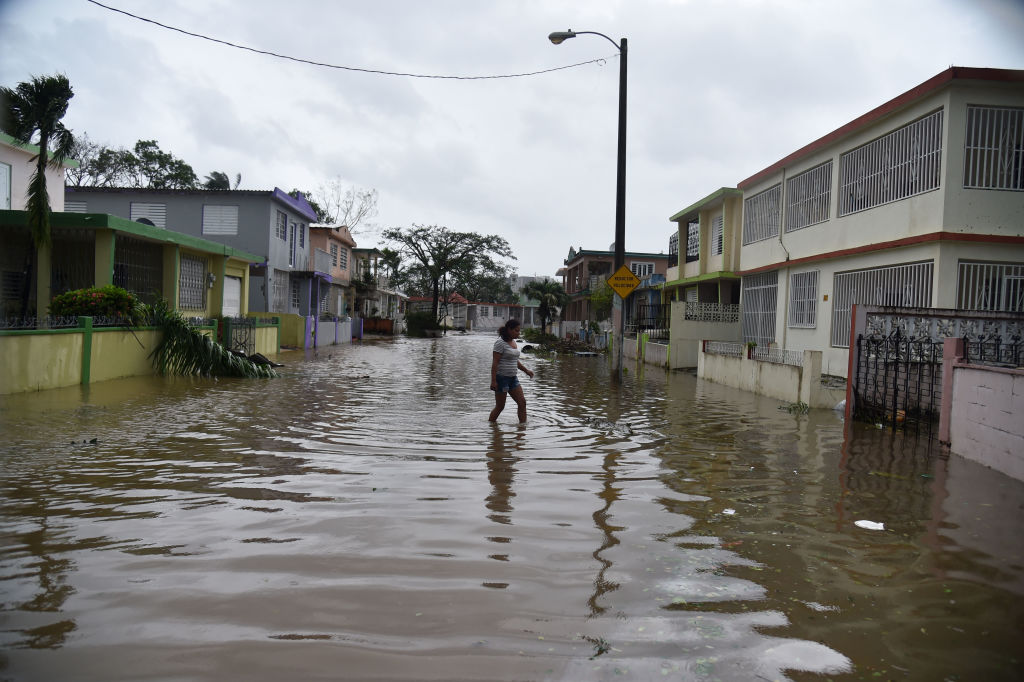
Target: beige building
(917,203)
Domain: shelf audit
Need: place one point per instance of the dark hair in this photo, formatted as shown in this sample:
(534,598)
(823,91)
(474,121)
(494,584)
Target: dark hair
(505,331)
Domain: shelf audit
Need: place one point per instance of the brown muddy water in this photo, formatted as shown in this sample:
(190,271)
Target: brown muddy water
(359,519)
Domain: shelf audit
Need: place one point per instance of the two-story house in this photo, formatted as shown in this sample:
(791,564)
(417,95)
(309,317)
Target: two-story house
(335,244)
(917,203)
(271,224)
(584,272)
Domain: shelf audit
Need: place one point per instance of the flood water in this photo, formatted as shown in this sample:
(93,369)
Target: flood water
(360,519)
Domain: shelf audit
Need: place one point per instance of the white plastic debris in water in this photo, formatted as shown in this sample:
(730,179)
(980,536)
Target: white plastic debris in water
(840,406)
(730,512)
(869,525)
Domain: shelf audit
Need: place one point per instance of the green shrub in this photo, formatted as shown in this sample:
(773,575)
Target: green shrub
(108,301)
(535,335)
(418,322)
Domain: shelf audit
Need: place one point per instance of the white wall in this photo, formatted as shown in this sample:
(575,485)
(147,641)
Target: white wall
(22,167)
(985,422)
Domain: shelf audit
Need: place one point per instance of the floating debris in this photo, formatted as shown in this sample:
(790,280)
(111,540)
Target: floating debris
(869,525)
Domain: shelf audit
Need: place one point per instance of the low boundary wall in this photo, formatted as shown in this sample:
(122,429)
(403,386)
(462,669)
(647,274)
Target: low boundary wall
(980,416)
(787,382)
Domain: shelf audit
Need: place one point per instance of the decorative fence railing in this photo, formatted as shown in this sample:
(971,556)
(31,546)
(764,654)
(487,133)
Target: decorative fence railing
(732,349)
(652,319)
(711,312)
(779,356)
(994,352)
(898,380)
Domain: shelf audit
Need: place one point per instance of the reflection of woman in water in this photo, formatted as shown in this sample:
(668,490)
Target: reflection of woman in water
(505,367)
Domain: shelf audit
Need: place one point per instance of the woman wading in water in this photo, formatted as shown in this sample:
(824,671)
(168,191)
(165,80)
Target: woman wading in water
(504,370)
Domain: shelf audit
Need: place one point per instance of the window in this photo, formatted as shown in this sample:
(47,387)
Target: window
(343,258)
(295,293)
(901,164)
(220,220)
(990,286)
(803,299)
(642,270)
(292,243)
(717,233)
(156,214)
(302,235)
(908,285)
(5,187)
(692,241)
(496,310)
(75,207)
(760,293)
(281,226)
(761,215)
(994,148)
(808,197)
(192,283)
(280,288)
(334,255)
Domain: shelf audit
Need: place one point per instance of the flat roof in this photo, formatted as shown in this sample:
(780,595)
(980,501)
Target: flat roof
(97,221)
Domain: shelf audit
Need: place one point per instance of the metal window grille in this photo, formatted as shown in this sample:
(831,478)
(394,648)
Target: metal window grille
(334,255)
(717,234)
(292,243)
(692,241)
(343,258)
(673,244)
(990,286)
(485,311)
(302,235)
(295,293)
(906,286)
(808,197)
(279,292)
(642,270)
(75,206)
(761,215)
(994,148)
(154,213)
(760,294)
(74,260)
(901,164)
(139,267)
(281,226)
(803,299)
(192,283)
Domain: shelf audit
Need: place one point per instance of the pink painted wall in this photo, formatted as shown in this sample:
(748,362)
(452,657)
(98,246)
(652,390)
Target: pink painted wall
(986,416)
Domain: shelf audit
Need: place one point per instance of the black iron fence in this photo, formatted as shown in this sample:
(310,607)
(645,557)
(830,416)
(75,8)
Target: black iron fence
(898,381)
(652,319)
(994,351)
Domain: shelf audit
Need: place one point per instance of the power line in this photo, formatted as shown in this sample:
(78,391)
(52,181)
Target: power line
(378,72)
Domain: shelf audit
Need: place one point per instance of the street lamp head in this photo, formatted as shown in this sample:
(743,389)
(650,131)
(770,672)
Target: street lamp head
(560,36)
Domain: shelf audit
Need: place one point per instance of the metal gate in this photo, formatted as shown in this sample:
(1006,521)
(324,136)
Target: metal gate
(898,381)
(240,334)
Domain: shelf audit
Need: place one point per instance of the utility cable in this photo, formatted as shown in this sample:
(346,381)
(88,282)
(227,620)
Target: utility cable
(601,60)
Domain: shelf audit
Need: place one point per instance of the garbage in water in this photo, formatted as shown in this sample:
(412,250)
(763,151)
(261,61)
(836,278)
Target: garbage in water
(869,525)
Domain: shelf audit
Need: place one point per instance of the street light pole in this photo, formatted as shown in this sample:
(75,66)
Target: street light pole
(620,189)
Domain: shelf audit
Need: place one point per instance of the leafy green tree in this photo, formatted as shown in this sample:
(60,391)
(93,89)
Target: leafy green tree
(437,253)
(552,299)
(220,180)
(154,168)
(38,106)
(601,300)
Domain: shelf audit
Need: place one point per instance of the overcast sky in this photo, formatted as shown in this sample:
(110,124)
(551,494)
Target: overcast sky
(718,90)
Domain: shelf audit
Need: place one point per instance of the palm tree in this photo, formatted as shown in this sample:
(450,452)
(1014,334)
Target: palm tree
(552,298)
(220,180)
(38,106)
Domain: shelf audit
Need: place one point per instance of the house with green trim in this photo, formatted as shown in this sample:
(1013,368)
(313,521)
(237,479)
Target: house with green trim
(702,285)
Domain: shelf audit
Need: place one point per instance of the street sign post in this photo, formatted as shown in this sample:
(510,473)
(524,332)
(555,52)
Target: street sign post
(623,282)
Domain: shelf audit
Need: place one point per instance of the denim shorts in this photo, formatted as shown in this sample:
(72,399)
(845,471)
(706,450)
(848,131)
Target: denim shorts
(507,384)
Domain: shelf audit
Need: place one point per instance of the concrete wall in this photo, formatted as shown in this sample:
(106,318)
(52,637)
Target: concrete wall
(685,336)
(986,418)
(788,383)
(35,360)
(980,416)
(22,168)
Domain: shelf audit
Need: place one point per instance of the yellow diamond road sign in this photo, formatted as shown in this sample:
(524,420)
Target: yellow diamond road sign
(623,281)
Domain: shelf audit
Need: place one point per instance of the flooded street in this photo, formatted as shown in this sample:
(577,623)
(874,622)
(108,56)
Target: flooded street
(360,519)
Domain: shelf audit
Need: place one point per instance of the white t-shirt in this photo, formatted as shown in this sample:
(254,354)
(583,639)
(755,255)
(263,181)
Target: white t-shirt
(508,365)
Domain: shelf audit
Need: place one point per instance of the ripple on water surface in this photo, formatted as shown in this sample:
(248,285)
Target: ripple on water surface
(359,518)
